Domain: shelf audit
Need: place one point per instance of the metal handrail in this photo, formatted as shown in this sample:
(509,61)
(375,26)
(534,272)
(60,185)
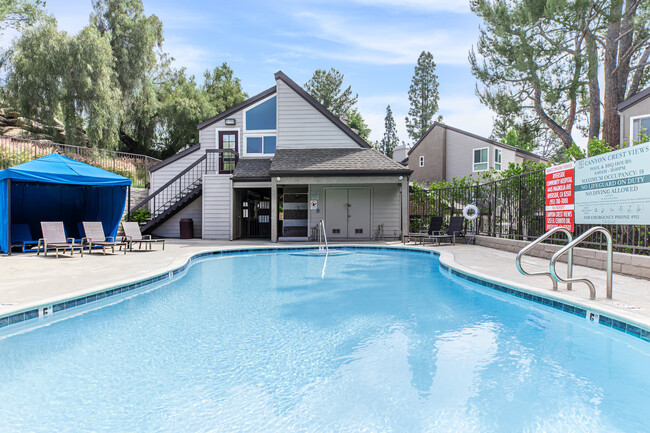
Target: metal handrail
(322,234)
(569,247)
(537,241)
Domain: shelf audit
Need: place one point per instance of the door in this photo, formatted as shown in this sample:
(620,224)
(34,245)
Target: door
(347,213)
(227,140)
(359,213)
(336,213)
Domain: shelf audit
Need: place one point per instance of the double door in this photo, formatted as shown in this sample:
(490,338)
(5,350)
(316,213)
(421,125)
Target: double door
(347,213)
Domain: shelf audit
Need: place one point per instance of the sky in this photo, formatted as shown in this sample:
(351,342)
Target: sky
(374,43)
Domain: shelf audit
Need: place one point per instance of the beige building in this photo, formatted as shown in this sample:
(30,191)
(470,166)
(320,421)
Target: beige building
(273,167)
(634,114)
(445,152)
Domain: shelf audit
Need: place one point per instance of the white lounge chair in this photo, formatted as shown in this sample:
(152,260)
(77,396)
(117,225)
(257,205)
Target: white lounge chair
(132,234)
(95,237)
(54,238)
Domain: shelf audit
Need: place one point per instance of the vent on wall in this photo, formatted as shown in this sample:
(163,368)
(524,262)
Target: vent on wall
(358,231)
(336,231)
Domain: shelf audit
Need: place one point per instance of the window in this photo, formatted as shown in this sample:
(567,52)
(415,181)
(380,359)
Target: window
(227,140)
(497,159)
(640,126)
(422,161)
(262,117)
(261,145)
(480,159)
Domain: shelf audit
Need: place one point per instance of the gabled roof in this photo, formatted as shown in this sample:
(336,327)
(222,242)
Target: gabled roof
(324,111)
(478,137)
(176,157)
(334,162)
(250,101)
(55,168)
(634,99)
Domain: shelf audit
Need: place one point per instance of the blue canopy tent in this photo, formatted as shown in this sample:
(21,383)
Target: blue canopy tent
(56,188)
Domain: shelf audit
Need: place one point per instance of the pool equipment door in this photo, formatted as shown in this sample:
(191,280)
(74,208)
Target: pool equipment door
(347,212)
(359,213)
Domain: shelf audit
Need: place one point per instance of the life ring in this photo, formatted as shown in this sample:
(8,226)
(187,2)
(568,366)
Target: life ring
(473,215)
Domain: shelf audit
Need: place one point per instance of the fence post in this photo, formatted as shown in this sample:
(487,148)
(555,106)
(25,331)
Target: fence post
(520,224)
(146,170)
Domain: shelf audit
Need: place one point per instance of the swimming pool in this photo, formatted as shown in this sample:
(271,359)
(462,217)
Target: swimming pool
(262,342)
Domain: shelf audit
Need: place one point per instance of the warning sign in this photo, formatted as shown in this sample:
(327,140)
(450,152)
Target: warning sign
(313,204)
(560,204)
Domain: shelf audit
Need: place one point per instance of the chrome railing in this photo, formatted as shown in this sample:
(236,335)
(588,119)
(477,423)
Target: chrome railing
(569,247)
(322,234)
(537,241)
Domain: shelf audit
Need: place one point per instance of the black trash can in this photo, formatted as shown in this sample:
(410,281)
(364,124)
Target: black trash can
(187,228)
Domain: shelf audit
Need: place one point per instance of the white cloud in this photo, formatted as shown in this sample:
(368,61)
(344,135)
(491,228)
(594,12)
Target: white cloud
(467,114)
(386,43)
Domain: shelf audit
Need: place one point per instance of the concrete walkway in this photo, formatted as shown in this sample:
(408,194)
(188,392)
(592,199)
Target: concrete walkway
(28,281)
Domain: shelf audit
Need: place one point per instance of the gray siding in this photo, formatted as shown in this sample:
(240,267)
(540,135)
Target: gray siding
(300,125)
(460,155)
(217,204)
(208,136)
(641,108)
(385,206)
(171,227)
(432,148)
(168,172)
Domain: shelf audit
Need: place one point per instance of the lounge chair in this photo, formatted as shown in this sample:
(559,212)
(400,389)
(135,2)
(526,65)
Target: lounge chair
(95,238)
(455,230)
(132,234)
(21,236)
(54,238)
(435,224)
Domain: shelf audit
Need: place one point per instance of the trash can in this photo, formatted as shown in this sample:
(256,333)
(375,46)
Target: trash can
(187,228)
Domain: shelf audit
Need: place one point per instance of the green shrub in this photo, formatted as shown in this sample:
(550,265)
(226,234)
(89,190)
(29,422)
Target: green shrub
(140,215)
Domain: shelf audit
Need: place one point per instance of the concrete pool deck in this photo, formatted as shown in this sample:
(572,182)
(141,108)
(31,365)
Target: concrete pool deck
(28,281)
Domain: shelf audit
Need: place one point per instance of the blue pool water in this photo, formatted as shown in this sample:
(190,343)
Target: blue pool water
(385,342)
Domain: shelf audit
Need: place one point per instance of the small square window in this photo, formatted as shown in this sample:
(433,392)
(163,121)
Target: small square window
(254,145)
(480,159)
(422,161)
(269,144)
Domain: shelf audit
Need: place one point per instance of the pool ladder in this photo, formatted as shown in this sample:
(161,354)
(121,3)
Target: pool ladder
(568,249)
(322,234)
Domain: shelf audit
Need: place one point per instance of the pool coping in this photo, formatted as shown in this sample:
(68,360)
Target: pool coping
(605,316)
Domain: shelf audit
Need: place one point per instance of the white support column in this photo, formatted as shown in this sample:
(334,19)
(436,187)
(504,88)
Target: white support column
(274,211)
(405,207)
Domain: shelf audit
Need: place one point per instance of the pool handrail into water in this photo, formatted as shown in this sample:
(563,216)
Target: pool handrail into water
(549,274)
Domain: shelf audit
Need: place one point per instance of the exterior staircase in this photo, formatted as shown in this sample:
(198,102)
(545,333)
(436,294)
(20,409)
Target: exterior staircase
(181,190)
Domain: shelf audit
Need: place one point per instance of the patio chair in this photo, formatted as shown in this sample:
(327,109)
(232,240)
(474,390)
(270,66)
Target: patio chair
(54,238)
(21,236)
(435,224)
(132,234)
(95,238)
(455,229)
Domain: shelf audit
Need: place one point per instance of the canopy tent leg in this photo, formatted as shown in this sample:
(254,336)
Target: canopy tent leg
(9,215)
(128,203)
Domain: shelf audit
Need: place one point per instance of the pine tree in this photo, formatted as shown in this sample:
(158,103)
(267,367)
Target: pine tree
(423,96)
(390,140)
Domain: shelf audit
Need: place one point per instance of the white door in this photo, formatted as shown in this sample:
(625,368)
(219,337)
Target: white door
(347,213)
(336,213)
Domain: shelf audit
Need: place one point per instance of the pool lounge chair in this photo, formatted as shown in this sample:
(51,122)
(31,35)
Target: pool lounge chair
(95,238)
(455,230)
(435,224)
(54,238)
(132,234)
(21,236)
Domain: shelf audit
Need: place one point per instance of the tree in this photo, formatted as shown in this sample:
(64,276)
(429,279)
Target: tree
(423,96)
(18,14)
(542,58)
(326,88)
(390,140)
(355,122)
(223,89)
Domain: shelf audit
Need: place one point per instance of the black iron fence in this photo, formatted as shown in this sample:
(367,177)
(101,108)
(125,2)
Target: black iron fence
(14,151)
(513,208)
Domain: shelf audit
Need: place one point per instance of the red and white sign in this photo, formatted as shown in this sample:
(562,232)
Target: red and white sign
(560,205)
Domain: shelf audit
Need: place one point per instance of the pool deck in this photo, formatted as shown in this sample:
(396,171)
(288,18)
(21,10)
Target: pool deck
(28,281)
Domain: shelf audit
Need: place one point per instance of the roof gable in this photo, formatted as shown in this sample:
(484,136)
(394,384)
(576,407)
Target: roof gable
(250,101)
(634,99)
(322,110)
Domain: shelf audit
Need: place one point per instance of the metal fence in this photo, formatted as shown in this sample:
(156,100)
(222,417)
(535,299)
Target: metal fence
(14,151)
(513,208)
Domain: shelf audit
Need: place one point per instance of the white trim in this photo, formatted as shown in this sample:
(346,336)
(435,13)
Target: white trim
(486,162)
(245,153)
(631,130)
(244,111)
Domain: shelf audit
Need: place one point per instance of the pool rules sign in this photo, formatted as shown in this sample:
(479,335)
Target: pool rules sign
(559,196)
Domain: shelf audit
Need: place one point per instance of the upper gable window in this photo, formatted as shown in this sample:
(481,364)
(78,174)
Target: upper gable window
(262,117)
(480,159)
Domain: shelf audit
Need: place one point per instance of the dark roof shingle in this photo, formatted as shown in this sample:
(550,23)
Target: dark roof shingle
(252,169)
(334,161)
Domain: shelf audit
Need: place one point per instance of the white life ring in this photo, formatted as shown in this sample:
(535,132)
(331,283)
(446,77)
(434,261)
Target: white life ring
(473,215)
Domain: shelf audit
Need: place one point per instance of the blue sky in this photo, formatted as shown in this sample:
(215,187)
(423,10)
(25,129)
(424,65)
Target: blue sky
(374,43)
